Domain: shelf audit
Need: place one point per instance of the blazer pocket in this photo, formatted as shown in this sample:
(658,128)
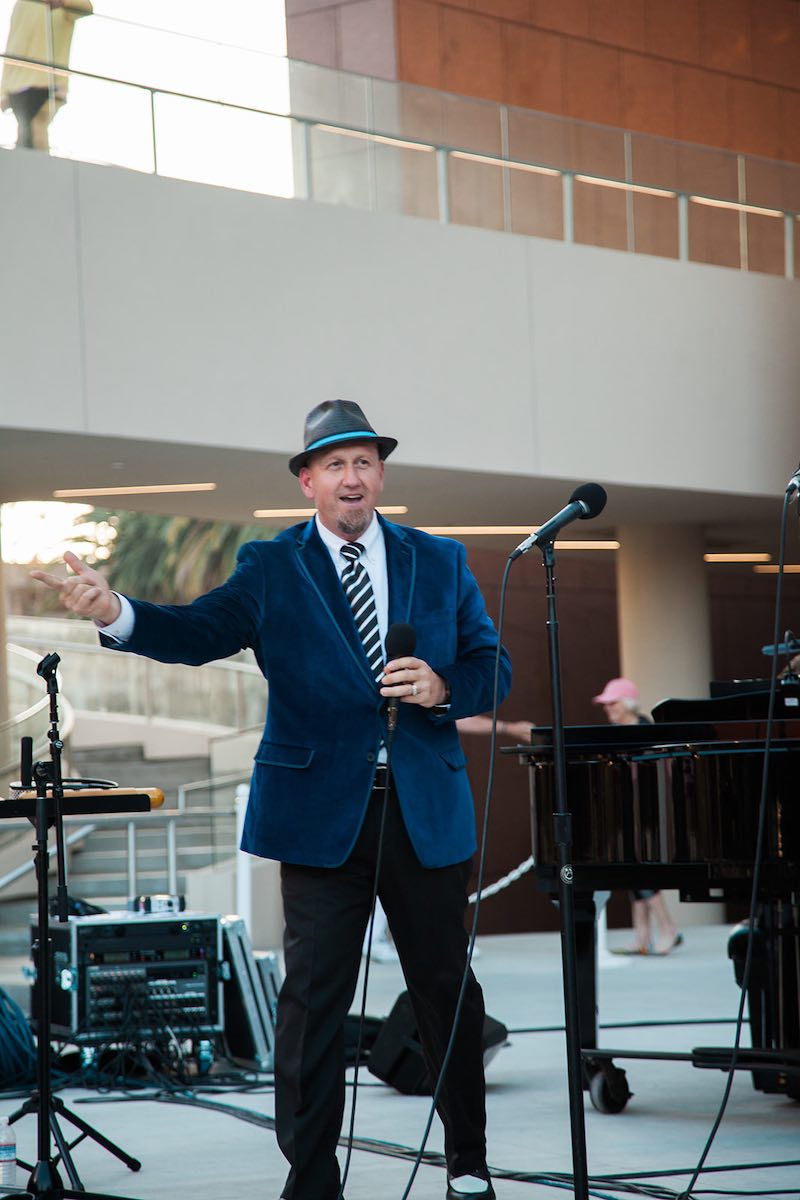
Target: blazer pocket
(277,754)
(455,759)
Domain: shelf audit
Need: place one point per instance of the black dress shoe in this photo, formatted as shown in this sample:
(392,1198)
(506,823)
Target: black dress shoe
(487,1193)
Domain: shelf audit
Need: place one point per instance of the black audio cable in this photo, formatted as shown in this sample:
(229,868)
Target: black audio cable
(477,906)
(758,859)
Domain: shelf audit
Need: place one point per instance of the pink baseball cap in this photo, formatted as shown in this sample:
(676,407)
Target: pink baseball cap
(617,689)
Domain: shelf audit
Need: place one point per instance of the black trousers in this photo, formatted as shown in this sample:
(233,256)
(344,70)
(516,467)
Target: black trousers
(326,912)
(25,105)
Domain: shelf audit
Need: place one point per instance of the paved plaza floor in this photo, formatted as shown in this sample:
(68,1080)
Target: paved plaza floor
(227,1152)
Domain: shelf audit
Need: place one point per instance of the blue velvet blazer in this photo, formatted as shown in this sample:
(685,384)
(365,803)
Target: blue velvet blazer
(316,762)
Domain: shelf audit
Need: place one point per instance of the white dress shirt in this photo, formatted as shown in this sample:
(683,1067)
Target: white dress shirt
(373,560)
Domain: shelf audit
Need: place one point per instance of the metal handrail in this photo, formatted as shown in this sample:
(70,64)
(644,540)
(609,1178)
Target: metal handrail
(21,641)
(23,869)
(169,817)
(409,142)
(503,159)
(203,785)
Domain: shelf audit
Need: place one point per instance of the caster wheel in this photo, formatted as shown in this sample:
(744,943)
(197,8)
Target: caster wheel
(609,1090)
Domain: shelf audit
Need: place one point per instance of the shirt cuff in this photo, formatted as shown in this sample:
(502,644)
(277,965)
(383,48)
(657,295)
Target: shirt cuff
(441,710)
(121,629)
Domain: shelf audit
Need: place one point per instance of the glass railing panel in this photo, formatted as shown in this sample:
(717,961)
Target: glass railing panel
(88,127)
(765,243)
(96,681)
(596,150)
(714,235)
(655,224)
(397,112)
(653,161)
(406,181)
(476,193)
(683,167)
(341,168)
(252,701)
(471,124)
(223,823)
(180,62)
(218,144)
(33,722)
(536,203)
(538,138)
(375,173)
(49,632)
(203,696)
(331,97)
(772,184)
(21,694)
(422,114)
(707,172)
(186,694)
(601,215)
(231,694)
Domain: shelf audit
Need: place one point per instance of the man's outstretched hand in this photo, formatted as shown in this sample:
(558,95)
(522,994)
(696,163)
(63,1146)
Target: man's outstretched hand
(85,592)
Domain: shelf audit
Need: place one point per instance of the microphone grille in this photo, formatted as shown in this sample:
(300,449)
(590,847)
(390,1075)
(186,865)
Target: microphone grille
(593,496)
(401,640)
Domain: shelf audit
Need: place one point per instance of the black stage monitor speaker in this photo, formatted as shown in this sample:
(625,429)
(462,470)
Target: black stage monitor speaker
(396,1054)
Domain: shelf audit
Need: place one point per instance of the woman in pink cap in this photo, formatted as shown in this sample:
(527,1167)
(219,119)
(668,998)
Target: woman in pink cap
(620,701)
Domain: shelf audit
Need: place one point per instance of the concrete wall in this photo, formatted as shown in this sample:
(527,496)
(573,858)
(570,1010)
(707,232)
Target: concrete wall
(188,313)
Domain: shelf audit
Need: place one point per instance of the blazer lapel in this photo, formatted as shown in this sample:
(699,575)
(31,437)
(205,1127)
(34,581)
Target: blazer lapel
(315,563)
(401,567)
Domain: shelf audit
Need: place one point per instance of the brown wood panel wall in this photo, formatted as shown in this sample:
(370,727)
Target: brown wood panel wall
(725,73)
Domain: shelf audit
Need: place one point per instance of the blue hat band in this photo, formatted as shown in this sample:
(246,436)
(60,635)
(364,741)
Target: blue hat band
(362,435)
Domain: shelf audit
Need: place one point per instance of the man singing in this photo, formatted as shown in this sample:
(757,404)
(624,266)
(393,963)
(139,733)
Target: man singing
(314,604)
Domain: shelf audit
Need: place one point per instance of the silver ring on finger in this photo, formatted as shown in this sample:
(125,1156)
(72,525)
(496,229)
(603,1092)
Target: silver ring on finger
(413,689)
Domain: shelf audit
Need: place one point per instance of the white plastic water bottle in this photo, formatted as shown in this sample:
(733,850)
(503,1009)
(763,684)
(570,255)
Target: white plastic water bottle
(8,1154)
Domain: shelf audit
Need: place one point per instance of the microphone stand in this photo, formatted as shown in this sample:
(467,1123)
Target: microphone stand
(45,1182)
(562,828)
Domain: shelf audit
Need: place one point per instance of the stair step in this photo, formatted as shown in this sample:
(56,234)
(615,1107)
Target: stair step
(127,766)
(97,889)
(94,867)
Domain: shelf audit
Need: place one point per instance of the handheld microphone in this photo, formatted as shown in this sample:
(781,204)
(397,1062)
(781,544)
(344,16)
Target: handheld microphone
(401,642)
(586,501)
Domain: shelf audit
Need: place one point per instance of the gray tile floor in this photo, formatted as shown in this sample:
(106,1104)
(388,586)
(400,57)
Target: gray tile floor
(201,1155)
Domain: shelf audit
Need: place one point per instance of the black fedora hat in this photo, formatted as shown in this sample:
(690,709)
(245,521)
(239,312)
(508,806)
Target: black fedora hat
(336,422)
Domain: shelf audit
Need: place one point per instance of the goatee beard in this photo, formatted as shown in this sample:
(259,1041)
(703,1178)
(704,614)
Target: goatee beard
(354,525)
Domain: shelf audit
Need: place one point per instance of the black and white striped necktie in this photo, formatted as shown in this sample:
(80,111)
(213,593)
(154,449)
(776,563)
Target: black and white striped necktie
(358,589)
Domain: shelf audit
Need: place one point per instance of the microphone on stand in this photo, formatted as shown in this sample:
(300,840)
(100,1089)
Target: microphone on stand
(586,501)
(401,642)
(794,486)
